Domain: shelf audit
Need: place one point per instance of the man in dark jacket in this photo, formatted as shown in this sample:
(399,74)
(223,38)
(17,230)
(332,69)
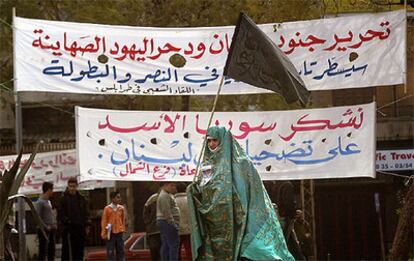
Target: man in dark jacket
(73,217)
(153,232)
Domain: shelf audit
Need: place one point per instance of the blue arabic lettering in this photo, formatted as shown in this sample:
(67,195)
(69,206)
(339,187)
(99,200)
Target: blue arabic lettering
(199,78)
(154,160)
(333,71)
(58,70)
(296,156)
(333,153)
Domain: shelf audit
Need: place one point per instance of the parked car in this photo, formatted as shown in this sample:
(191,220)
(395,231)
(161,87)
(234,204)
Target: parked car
(135,247)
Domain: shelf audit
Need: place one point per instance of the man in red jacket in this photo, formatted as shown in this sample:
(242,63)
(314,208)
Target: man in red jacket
(113,227)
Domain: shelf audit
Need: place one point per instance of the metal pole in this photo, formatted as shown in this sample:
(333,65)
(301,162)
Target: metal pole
(302,197)
(377,209)
(312,194)
(208,126)
(19,144)
(405,47)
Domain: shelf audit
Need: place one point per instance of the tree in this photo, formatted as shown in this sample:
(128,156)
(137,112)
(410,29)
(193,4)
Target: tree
(10,182)
(405,229)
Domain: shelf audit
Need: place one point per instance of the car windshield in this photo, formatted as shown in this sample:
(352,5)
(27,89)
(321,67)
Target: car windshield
(140,244)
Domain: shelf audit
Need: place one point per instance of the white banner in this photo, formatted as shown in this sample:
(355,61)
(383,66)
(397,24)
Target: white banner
(391,160)
(303,144)
(56,167)
(345,52)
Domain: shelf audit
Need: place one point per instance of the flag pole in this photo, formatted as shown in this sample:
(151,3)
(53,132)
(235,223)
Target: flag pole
(208,126)
(236,32)
(21,209)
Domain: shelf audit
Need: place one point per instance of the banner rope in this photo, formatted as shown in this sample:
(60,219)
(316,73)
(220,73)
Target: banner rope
(396,175)
(396,101)
(5,23)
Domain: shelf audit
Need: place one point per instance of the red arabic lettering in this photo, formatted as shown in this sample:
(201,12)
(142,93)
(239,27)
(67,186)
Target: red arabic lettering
(282,41)
(166,49)
(340,40)
(312,125)
(191,49)
(199,131)
(216,51)
(373,34)
(201,48)
(136,52)
(246,129)
(143,127)
(310,40)
(171,128)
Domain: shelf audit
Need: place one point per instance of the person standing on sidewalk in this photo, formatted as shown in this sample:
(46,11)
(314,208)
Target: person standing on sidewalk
(168,220)
(231,215)
(184,231)
(48,216)
(73,216)
(113,227)
(153,232)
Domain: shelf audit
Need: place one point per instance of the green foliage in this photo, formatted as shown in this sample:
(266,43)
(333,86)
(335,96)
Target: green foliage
(9,186)
(10,182)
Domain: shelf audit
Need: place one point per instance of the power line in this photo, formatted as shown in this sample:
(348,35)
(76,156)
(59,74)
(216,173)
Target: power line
(397,175)
(5,23)
(8,89)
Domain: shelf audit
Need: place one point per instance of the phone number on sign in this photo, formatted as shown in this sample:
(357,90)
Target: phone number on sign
(395,166)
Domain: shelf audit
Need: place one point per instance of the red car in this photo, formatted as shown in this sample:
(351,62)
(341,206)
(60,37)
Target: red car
(136,248)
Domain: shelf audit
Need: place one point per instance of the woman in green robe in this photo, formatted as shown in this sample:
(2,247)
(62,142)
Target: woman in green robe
(231,215)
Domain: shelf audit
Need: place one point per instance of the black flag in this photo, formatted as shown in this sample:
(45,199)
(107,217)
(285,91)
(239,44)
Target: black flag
(254,59)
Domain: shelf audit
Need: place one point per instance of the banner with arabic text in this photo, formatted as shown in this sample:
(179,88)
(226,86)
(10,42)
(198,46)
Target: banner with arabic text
(334,142)
(345,52)
(56,167)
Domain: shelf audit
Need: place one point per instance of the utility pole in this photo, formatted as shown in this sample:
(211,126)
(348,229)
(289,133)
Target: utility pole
(19,144)
(307,190)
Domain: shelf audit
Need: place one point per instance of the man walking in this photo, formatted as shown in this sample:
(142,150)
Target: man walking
(168,220)
(113,227)
(73,217)
(48,216)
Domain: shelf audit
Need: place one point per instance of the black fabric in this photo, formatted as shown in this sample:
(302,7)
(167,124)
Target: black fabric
(47,249)
(115,247)
(294,248)
(154,243)
(73,210)
(73,216)
(150,218)
(283,194)
(254,59)
(73,242)
(285,200)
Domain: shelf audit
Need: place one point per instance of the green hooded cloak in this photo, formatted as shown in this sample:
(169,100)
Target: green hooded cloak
(232,216)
